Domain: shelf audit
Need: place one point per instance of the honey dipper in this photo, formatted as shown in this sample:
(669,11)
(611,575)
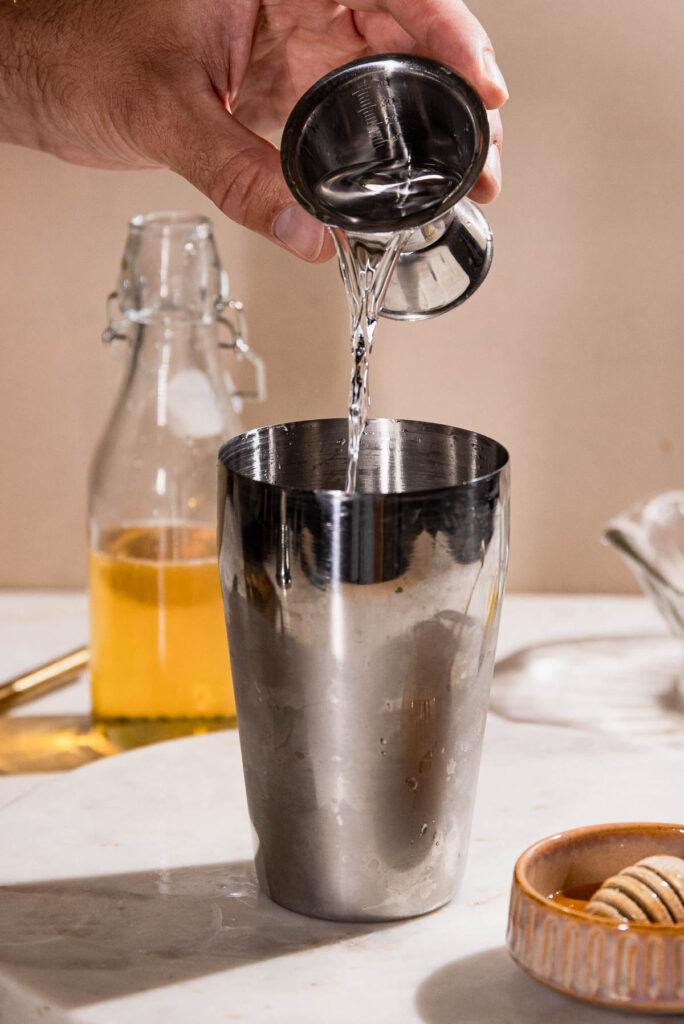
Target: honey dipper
(650,891)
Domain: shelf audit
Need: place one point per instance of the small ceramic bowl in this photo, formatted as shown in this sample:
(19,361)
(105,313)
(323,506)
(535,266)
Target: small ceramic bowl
(553,939)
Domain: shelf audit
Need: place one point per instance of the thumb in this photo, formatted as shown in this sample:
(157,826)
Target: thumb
(240,172)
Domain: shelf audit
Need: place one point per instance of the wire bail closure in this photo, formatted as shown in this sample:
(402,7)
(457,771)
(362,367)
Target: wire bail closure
(238,345)
(118,329)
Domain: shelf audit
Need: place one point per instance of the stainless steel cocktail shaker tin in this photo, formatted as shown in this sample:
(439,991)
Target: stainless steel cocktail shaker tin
(362,630)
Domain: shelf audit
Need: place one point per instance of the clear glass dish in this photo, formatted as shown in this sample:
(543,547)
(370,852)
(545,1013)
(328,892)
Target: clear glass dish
(630,685)
(650,537)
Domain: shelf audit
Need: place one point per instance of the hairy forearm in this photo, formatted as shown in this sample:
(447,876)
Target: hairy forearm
(19,104)
(35,49)
(60,81)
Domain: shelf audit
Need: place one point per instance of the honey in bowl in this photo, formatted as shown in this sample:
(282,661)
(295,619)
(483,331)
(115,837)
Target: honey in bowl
(575,897)
(158,636)
(650,891)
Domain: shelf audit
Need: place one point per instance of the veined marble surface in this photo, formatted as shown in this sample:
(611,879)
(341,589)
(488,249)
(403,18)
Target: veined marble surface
(129,894)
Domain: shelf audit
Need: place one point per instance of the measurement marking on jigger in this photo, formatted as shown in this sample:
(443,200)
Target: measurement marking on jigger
(367,109)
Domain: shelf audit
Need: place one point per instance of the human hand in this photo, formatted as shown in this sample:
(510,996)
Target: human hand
(196,85)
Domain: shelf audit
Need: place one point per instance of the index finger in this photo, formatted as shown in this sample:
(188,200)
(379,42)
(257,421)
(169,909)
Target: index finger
(447,31)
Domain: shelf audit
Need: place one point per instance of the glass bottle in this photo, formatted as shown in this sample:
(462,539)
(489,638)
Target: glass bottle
(158,639)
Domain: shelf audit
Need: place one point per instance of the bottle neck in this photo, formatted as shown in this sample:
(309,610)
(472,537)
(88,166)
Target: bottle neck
(171,292)
(171,272)
(177,375)
(158,345)
(169,308)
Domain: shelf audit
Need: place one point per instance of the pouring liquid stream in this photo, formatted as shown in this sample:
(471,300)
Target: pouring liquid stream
(375,190)
(366,270)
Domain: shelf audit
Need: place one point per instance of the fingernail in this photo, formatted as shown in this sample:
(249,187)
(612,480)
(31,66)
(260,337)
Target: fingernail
(493,164)
(299,232)
(493,71)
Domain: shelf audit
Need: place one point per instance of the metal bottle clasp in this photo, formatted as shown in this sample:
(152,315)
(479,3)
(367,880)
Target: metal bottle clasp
(119,329)
(238,345)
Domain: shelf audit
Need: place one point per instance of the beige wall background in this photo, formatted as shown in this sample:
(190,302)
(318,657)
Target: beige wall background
(571,354)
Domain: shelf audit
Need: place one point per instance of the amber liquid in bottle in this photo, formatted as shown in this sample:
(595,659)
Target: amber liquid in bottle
(158,635)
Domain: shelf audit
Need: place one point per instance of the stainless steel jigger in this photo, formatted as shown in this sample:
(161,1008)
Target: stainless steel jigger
(397,110)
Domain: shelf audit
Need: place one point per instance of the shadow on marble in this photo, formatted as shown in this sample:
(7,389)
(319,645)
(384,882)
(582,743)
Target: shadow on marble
(632,686)
(489,987)
(31,744)
(88,940)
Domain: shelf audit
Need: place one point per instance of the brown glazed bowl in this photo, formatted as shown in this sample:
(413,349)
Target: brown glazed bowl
(614,963)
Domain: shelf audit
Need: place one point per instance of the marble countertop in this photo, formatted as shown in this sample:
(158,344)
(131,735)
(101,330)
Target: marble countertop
(129,894)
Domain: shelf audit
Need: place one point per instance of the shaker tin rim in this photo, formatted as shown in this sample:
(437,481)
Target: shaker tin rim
(364,496)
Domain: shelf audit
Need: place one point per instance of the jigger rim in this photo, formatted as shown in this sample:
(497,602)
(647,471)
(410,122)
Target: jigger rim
(249,440)
(295,129)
